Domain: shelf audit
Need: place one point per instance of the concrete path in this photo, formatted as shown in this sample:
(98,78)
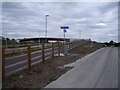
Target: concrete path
(97,70)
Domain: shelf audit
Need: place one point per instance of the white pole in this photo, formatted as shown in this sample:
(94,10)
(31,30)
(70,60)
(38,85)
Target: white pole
(46,28)
(39,38)
(64,38)
(80,35)
(64,42)
(6,40)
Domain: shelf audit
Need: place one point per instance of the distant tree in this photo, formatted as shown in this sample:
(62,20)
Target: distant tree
(8,39)
(13,42)
(111,43)
(3,41)
(106,43)
(116,44)
(119,44)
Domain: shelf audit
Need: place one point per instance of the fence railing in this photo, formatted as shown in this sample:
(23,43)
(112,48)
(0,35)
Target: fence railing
(31,56)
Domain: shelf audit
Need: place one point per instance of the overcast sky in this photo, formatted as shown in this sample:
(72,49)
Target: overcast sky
(95,20)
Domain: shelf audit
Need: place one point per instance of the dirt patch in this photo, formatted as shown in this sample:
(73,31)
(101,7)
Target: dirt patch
(44,73)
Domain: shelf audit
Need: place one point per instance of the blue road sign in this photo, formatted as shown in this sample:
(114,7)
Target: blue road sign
(64,30)
(64,27)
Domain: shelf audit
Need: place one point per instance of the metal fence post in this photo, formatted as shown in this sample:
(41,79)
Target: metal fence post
(72,45)
(29,57)
(68,46)
(43,57)
(58,49)
(3,64)
(52,49)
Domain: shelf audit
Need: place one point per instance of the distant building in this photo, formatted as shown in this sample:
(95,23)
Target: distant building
(42,40)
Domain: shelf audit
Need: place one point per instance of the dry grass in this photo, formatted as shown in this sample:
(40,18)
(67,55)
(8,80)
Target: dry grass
(44,73)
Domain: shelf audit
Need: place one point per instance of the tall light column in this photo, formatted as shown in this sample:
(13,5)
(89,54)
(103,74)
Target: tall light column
(46,28)
(6,43)
(80,34)
(39,39)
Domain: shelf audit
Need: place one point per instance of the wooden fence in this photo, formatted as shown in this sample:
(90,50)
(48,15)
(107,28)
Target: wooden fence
(30,56)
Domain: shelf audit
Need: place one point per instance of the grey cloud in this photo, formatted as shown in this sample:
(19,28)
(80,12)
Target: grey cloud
(108,7)
(10,5)
(84,17)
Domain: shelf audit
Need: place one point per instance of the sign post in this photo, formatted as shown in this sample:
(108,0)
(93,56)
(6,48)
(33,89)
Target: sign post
(65,46)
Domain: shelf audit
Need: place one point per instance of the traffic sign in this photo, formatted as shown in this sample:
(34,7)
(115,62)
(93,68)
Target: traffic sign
(64,30)
(65,27)
(65,46)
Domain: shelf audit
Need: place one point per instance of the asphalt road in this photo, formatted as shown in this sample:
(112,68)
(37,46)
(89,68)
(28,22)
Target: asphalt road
(17,63)
(97,70)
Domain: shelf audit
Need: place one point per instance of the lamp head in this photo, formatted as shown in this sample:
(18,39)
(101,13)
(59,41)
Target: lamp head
(47,15)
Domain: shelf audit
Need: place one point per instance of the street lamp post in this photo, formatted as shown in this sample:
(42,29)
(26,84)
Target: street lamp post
(64,35)
(39,38)
(80,34)
(46,28)
(6,43)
